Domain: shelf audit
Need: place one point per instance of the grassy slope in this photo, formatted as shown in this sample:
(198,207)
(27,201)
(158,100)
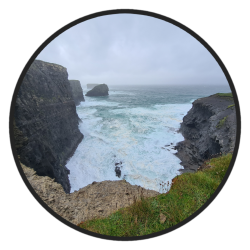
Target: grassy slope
(188,193)
(225,95)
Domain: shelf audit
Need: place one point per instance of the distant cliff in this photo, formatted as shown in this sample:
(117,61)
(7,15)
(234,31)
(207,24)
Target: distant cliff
(91,85)
(100,90)
(76,91)
(45,121)
(209,128)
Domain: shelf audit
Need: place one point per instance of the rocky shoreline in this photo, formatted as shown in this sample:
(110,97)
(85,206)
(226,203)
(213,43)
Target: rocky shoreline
(209,129)
(46,135)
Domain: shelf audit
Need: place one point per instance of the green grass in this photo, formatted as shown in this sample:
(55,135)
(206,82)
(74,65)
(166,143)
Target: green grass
(231,106)
(188,193)
(225,94)
(221,122)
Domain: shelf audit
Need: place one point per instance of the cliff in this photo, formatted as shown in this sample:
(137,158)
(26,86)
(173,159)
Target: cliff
(76,91)
(96,200)
(209,129)
(100,90)
(45,121)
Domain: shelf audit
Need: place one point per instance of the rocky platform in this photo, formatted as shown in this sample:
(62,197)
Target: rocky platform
(97,200)
(45,121)
(76,91)
(99,90)
(209,129)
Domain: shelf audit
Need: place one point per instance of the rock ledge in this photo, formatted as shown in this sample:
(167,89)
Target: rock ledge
(96,200)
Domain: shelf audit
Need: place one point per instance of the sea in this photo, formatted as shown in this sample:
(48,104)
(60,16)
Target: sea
(131,135)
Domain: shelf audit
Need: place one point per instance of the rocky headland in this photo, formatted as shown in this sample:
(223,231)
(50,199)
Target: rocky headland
(209,129)
(46,135)
(45,121)
(99,90)
(97,200)
(76,91)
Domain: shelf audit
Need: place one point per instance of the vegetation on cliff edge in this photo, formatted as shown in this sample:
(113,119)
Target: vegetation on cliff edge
(187,194)
(225,95)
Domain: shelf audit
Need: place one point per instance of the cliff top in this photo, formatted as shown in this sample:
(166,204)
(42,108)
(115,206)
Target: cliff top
(60,67)
(96,200)
(219,100)
(74,80)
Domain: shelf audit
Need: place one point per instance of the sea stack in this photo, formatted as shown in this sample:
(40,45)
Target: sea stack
(209,129)
(76,91)
(91,85)
(45,121)
(99,90)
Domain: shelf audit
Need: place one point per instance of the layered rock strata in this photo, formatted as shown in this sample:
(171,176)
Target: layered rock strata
(209,129)
(97,200)
(76,91)
(45,121)
(99,90)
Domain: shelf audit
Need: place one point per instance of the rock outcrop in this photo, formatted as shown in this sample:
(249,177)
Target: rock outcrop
(100,90)
(209,129)
(91,85)
(45,121)
(76,91)
(96,200)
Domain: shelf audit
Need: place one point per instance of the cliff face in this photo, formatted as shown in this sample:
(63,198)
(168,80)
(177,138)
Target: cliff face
(45,121)
(96,200)
(209,128)
(100,90)
(76,91)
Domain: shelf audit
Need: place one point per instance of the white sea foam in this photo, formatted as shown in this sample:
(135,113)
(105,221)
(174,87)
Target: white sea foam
(137,137)
(137,128)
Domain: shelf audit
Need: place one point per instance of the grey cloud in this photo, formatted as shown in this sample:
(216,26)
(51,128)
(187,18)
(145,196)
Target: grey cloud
(132,49)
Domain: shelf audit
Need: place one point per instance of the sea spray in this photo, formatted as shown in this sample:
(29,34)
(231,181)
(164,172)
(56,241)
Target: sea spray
(132,131)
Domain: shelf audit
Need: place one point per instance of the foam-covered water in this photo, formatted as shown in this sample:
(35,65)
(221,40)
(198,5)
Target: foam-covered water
(136,129)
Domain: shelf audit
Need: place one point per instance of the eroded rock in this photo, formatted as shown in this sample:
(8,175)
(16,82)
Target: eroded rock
(76,91)
(45,121)
(97,200)
(209,129)
(99,90)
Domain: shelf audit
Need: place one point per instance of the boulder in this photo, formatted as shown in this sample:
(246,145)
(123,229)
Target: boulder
(100,90)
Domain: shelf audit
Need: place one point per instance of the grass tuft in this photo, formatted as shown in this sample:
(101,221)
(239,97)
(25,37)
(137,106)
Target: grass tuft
(188,193)
(225,94)
(221,122)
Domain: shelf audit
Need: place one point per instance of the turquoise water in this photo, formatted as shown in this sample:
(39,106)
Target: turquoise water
(135,129)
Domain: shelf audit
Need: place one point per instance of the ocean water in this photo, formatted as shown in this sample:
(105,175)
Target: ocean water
(134,129)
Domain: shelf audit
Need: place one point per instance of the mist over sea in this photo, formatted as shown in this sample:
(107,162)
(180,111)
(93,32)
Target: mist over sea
(135,126)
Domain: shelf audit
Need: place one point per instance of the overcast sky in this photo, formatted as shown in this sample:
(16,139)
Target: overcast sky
(132,49)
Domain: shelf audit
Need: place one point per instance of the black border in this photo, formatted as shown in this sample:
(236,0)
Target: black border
(138,12)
